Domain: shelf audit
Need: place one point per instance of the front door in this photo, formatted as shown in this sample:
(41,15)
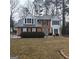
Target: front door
(55,31)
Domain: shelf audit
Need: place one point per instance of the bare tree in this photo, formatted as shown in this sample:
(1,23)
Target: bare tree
(38,7)
(47,3)
(23,12)
(13,5)
(65,10)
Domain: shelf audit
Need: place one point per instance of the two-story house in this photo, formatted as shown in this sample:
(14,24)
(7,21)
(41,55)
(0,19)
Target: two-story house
(45,23)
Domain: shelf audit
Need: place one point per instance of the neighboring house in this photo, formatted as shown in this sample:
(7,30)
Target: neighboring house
(46,24)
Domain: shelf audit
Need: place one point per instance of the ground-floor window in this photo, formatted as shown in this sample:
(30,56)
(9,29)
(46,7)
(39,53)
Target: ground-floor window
(33,29)
(24,29)
(29,29)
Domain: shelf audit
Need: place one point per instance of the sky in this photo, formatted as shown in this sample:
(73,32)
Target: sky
(23,1)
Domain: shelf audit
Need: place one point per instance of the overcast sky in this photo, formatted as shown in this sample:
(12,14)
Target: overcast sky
(23,1)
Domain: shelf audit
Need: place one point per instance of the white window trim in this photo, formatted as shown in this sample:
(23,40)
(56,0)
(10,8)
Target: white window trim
(33,29)
(31,21)
(24,29)
(28,23)
(55,24)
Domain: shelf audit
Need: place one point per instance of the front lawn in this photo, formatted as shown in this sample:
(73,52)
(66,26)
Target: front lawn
(39,48)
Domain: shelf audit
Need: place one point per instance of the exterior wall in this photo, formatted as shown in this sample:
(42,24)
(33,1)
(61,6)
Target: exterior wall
(46,26)
(39,30)
(49,26)
(29,29)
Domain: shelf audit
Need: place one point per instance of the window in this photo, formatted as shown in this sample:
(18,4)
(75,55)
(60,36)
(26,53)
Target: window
(28,20)
(29,29)
(55,22)
(56,31)
(33,29)
(24,29)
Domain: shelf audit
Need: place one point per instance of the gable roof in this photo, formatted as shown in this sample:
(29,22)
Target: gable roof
(55,18)
(45,17)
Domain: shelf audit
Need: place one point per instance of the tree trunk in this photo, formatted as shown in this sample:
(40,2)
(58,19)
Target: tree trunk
(11,23)
(63,26)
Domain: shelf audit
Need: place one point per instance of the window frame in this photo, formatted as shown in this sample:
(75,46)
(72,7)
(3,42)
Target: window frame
(24,30)
(32,21)
(55,23)
(33,29)
(29,20)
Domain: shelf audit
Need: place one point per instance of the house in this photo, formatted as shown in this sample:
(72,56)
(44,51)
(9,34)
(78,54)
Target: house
(45,23)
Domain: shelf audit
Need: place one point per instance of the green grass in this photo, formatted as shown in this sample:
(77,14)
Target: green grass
(39,48)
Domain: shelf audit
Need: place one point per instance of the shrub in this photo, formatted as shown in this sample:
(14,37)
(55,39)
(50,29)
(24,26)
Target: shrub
(50,34)
(32,35)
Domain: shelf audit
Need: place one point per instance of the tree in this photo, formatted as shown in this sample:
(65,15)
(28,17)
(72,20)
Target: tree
(38,7)
(47,4)
(23,12)
(13,8)
(65,10)
(67,7)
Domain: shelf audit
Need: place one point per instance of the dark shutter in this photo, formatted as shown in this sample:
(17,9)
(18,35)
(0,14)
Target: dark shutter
(25,20)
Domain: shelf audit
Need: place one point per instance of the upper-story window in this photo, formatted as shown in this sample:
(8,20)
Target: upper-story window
(29,21)
(55,22)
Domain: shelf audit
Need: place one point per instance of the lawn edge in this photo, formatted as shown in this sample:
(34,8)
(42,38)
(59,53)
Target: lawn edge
(62,54)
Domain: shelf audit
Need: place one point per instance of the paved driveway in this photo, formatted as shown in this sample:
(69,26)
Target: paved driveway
(14,36)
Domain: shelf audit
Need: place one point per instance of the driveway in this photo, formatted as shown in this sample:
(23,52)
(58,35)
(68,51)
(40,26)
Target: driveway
(14,36)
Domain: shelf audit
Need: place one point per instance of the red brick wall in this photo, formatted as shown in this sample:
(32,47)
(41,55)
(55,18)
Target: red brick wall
(49,26)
